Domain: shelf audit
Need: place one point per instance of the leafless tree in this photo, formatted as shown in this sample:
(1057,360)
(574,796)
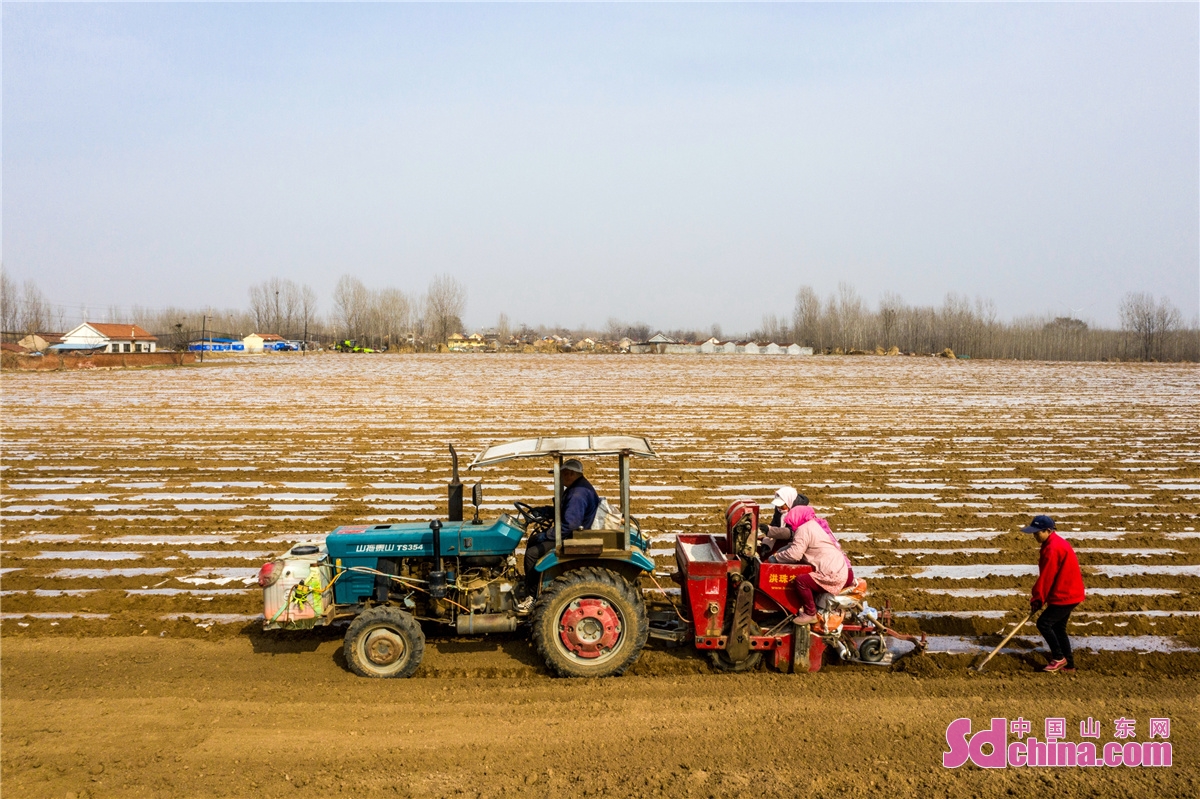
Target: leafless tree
(846,317)
(351,304)
(806,318)
(955,322)
(308,311)
(503,327)
(10,303)
(262,305)
(392,318)
(34,313)
(282,306)
(445,302)
(1152,323)
(773,329)
(638,331)
(890,305)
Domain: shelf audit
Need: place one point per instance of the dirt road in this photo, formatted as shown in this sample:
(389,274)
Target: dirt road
(249,716)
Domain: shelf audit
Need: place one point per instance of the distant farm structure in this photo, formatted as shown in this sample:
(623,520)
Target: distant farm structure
(660,344)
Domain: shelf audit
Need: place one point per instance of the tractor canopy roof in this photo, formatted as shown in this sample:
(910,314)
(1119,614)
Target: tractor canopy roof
(564,446)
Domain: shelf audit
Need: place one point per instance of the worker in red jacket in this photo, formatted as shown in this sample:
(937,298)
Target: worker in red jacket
(1059,588)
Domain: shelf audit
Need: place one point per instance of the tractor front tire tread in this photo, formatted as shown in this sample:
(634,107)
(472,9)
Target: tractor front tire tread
(400,621)
(589,581)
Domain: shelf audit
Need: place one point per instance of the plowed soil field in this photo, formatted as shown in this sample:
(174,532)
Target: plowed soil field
(137,506)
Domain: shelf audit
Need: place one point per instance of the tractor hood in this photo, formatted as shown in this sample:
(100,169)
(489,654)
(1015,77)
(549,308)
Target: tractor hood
(363,542)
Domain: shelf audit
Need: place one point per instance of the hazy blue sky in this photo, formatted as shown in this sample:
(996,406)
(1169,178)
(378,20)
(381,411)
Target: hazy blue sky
(677,164)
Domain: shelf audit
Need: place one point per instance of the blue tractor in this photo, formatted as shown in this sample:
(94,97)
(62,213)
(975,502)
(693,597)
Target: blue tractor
(589,618)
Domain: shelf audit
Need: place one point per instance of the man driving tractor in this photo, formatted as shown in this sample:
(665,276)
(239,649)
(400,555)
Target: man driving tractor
(579,502)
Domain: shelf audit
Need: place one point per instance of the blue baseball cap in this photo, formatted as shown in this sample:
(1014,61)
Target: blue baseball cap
(1038,524)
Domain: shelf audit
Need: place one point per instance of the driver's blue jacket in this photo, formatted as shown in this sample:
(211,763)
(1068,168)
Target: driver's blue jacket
(578,507)
(579,504)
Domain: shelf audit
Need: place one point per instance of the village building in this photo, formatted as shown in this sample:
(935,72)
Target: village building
(96,336)
(457,342)
(655,345)
(662,345)
(552,343)
(216,344)
(257,342)
(681,348)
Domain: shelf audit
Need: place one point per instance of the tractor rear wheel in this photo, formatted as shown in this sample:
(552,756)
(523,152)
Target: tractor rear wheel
(590,622)
(384,642)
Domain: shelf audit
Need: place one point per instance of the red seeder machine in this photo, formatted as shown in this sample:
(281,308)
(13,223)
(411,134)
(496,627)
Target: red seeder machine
(741,607)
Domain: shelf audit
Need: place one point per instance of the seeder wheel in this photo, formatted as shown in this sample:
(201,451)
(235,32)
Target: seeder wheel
(720,661)
(872,650)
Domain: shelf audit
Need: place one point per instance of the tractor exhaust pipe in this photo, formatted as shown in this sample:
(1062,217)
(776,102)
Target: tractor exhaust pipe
(474,623)
(436,527)
(437,577)
(455,513)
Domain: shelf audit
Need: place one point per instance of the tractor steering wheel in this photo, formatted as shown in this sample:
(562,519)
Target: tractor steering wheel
(524,512)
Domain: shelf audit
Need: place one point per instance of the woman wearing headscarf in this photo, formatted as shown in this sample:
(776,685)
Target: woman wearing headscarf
(808,539)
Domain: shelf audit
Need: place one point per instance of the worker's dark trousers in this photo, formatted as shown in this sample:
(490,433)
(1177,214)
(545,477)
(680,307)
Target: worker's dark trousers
(535,548)
(1052,624)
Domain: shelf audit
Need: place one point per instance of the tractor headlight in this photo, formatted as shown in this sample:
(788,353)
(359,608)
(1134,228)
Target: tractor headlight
(268,575)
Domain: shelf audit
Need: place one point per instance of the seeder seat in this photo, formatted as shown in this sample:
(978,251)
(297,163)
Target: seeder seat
(857,592)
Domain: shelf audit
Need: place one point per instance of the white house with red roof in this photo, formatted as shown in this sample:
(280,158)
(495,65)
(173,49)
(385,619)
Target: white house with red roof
(108,338)
(257,342)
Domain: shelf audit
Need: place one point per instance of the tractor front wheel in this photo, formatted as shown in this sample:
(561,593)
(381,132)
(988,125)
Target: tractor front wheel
(590,622)
(384,642)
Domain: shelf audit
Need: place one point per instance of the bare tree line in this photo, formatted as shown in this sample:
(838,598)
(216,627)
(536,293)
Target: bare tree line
(389,318)
(379,318)
(24,309)
(842,323)
(283,307)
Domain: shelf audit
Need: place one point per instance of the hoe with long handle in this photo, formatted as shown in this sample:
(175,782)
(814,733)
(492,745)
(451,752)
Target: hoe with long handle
(1007,638)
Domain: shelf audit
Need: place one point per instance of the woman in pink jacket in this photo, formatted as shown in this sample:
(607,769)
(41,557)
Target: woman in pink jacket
(809,540)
